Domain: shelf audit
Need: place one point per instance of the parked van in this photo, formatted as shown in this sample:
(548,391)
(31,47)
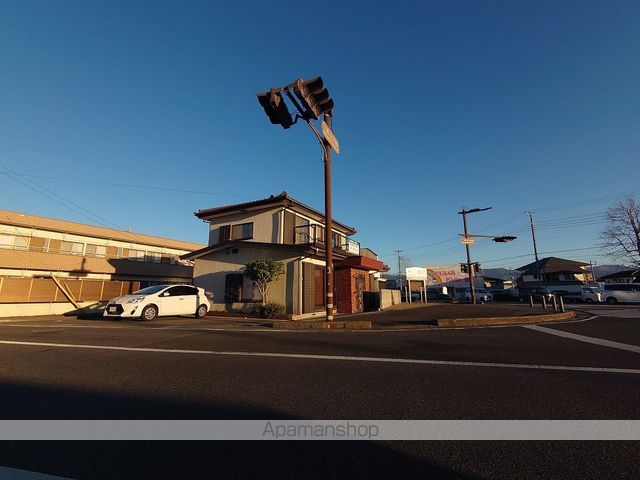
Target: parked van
(621,293)
(591,294)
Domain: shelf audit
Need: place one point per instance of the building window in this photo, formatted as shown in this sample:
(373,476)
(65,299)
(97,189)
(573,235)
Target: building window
(38,244)
(233,287)
(14,241)
(95,250)
(243,231)
(250,292)
(152,257)
(74,248)
(137,255)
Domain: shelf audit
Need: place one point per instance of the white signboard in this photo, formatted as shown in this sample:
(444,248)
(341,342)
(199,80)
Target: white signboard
(416,272)
(353,247)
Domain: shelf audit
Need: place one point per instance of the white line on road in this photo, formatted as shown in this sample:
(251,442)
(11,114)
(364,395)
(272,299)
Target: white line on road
(413,361)
(584,338)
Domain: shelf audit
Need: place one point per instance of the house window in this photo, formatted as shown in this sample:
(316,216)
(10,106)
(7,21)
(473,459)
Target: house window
(243,231)
(224,233)
(250,292)
(233,287)
(319,284)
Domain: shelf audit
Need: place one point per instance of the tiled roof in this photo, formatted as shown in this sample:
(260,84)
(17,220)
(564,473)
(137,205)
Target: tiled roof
(552,265)
(281,199)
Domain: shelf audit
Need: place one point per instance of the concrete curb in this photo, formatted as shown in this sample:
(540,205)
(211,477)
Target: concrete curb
(483,321)
(321,324)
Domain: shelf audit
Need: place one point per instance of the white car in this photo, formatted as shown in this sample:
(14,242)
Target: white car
(482,295)
(160,300)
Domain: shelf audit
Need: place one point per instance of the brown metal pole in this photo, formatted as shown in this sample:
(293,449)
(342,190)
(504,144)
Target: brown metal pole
(328,241)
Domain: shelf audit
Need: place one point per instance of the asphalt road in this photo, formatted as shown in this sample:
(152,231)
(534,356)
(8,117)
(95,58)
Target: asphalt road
(74,369)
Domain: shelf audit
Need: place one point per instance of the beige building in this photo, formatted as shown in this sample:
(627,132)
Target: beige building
(94,262)
(287,230)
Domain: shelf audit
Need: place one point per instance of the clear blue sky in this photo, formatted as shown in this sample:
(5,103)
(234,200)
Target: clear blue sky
(515,105)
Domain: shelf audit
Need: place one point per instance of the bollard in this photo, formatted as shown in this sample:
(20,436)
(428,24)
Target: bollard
(555,303)
(544,302)
(531,301)
(561,305)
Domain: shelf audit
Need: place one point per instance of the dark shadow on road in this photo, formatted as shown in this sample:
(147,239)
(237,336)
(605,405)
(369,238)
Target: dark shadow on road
(186,459)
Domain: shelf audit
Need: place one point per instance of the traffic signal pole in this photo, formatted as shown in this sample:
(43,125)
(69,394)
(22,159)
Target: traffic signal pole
(313,101)
(328,237)
(472,287)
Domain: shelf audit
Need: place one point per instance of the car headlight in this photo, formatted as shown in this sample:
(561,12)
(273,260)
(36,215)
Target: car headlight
(135,300)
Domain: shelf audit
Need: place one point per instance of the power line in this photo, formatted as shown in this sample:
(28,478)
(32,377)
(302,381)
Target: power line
(130,185)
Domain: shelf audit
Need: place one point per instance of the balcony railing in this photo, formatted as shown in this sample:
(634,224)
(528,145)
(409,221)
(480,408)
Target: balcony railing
(314,235)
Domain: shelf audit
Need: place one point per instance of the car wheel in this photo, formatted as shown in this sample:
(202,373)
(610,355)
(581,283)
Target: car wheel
(149,313)
(612,300)
(589,300)
(202,311)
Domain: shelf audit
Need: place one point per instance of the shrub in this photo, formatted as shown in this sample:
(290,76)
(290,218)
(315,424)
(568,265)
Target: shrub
(269,310)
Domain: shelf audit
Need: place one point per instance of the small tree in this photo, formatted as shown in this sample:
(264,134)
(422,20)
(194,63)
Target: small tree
(262,272)
(621,237)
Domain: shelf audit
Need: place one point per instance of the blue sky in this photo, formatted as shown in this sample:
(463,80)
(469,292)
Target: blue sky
(515,105)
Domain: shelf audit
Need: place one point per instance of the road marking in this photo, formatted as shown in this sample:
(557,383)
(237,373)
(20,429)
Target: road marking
(129,326)
(413,361)
(583,338)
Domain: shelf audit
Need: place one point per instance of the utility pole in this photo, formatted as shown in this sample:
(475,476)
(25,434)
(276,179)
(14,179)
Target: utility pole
(533,234)
(468,238)
(397,252)
(472,287)
(535,244)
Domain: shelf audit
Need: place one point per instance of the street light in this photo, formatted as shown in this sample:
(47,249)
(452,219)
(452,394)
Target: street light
(312,102)
(468,239)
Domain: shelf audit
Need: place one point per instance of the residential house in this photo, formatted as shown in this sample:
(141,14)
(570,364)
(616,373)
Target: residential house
(624,276)
(95,263)
(554,271)
(291,232)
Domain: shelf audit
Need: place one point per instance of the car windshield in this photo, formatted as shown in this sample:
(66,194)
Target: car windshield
(150,290)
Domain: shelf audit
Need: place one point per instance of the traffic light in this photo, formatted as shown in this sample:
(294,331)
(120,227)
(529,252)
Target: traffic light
(275,108)
(313,96)
(503,239)
(464,268)
(476,267)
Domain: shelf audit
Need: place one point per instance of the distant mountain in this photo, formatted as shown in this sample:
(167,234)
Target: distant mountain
(601,270)
(501,273)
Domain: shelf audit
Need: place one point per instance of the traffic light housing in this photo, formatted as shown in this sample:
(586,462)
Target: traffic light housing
(314,98)
(275,108)
(476,267)
(504,239)
(464,268)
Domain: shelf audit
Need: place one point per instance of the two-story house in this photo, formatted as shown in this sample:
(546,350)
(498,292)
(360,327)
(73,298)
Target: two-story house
(291,232)
(553,271)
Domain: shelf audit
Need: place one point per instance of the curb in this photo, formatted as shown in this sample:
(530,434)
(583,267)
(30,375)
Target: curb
(321,324)
(483,321)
